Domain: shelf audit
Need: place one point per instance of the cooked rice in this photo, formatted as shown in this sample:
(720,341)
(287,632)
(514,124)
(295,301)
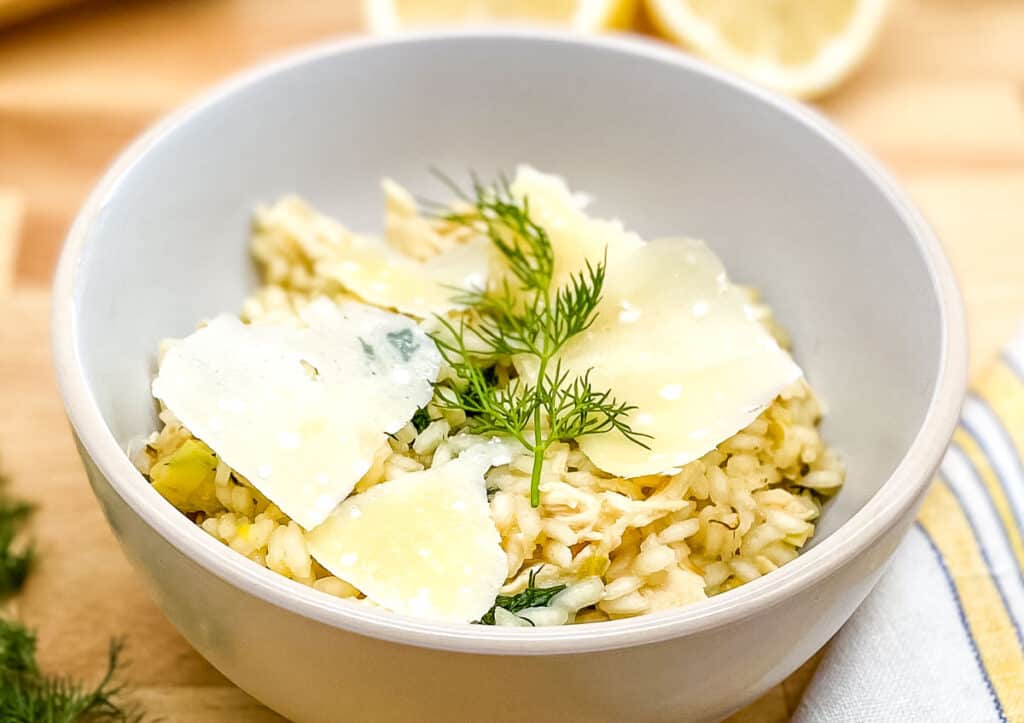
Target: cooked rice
(623,547)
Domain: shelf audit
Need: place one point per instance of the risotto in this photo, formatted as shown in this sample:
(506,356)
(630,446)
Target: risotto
(504,412)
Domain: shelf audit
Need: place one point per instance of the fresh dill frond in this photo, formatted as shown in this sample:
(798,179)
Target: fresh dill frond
(532,597)
(575,409)
(524,316)
(489,409)
(17,649)
(16,558)
(28,696)
(523,243)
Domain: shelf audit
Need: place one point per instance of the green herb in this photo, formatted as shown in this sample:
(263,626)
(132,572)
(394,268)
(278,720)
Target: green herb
(17,649)
(404,343)
(368,350)
(525,317)
(421,419)
(15,560)
(27,695)
(531,597)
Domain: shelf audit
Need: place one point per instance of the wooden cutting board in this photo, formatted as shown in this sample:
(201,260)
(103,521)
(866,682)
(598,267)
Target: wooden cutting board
(941,101)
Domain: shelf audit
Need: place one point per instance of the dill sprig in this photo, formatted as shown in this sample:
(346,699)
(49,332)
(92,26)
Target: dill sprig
(15,559)
(531,597)
(27,695)
(17,649)
(523,316)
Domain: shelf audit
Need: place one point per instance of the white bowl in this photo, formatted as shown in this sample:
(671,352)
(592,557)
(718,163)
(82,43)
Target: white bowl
(667,143)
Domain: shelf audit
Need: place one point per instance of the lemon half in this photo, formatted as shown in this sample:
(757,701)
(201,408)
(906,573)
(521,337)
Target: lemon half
(387,16)
(800,47)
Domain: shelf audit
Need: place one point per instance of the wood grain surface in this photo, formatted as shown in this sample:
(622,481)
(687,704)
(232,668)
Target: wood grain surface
(941,101)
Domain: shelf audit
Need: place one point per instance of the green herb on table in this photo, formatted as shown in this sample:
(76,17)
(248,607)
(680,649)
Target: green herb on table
(524,317)
(531,597)
(27,695)
(17,649)
(15,556)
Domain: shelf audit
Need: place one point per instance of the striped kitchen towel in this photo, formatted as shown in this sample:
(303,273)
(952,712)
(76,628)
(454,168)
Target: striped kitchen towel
(940,637)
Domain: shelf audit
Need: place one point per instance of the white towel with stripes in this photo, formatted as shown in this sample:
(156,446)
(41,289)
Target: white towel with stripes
(940,638)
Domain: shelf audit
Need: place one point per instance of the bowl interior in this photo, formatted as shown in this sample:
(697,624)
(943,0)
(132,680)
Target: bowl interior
(666,147)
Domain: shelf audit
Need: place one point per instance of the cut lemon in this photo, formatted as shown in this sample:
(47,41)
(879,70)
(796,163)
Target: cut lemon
(387,16)
(800,47)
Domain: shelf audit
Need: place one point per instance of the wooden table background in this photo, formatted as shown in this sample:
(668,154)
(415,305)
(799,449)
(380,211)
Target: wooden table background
(941,101)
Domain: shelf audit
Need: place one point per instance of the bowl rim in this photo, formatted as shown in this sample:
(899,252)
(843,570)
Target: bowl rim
(895,498)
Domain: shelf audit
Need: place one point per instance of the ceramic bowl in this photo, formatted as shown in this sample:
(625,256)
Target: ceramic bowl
(671,146)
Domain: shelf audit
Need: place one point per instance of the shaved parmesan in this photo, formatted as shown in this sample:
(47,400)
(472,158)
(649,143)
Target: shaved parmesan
(300,410)
(423,544)
(374,271)
(575,237)
(675,338)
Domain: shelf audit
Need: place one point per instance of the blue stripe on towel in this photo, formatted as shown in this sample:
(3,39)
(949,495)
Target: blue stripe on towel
(963,622)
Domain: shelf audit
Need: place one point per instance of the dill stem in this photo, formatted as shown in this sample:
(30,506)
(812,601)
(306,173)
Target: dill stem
(538,447)
(532,320)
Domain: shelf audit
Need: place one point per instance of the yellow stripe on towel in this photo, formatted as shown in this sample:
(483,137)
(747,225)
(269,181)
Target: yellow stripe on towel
(988,476)
(989,621)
